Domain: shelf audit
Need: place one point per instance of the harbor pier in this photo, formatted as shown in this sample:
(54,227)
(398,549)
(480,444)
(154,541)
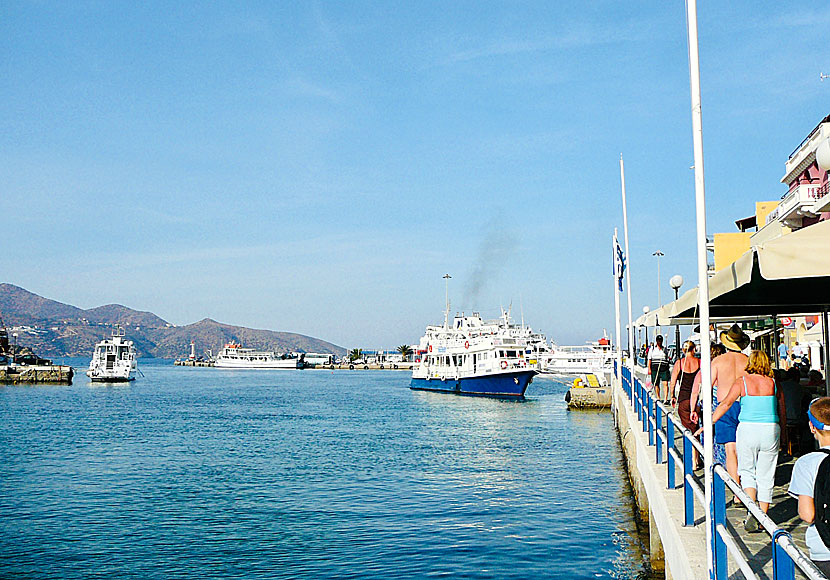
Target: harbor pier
(669,496)
(36,374)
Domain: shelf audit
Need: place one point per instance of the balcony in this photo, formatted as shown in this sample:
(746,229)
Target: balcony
(823,203)
(797,204)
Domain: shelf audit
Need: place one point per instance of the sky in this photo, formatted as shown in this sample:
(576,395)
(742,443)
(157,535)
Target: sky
(317,167)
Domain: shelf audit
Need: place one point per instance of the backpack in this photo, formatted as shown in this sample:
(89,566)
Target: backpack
(821,498)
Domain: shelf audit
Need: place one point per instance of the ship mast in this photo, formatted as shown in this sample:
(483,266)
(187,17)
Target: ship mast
(447,292)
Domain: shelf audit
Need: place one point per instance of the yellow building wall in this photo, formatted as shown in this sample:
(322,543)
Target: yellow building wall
(762,210)
(729,247)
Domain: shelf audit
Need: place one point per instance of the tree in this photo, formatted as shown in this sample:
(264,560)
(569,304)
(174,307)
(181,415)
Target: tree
(405,351)
(355,354)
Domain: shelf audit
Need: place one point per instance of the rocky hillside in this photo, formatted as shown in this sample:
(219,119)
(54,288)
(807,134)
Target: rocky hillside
(52,328)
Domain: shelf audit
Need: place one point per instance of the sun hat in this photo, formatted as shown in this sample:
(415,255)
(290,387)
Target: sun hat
(734,338)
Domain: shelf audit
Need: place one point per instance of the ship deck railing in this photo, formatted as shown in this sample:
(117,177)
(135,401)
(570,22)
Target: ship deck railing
(664,430)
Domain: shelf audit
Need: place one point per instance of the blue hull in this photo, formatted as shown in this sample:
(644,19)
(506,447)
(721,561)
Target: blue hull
(501,385)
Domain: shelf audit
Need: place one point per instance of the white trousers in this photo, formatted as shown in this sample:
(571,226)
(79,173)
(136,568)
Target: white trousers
(757,445)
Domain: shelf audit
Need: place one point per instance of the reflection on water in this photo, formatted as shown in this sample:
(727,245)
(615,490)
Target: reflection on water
(194,472)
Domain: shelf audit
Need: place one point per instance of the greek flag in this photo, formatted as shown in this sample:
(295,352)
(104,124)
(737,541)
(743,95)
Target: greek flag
(619,263)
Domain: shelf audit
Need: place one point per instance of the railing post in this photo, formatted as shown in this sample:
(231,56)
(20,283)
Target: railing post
(783,567)
(658,428)
(669,447)
(718,518)
(652,413)
(688,493)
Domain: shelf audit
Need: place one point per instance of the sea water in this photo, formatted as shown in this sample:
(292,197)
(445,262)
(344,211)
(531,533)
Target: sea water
(210,473)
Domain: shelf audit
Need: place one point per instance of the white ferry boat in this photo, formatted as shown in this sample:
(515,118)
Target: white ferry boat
(471,356)
(233,356)
(537,348)
(114,359)
(592,358)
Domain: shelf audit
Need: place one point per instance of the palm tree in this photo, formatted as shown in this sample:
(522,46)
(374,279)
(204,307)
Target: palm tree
(405,351)
(355,354)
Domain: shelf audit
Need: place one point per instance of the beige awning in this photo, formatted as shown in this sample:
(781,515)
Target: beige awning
(785,275)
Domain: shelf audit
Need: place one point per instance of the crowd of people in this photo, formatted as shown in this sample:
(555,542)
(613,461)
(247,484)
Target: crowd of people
(758,411)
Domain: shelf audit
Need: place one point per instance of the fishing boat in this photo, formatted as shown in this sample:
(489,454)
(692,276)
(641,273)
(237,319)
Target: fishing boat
(114,359)
(234,356)
(595,357)
(471,356)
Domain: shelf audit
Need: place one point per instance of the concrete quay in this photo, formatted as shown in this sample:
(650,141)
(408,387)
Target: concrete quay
(680,551)
(36,375)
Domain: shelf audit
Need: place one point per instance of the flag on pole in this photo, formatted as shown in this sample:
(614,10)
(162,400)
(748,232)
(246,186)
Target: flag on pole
(619,263)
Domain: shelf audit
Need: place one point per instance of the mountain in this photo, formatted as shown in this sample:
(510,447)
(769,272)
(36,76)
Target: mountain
(51,328)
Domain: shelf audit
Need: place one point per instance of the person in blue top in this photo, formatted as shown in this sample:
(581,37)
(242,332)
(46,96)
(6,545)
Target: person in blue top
(782,356)
(803,482)
(762,420)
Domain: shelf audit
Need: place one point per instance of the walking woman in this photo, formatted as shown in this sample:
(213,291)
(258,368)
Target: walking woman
(684,372)
(760,424)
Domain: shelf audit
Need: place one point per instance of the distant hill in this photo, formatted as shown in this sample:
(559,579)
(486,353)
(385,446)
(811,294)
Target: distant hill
(51,328)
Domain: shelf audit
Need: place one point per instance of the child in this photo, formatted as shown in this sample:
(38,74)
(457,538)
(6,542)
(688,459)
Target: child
(804,478)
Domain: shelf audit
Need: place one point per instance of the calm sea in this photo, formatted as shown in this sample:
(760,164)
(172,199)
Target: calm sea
(203,473)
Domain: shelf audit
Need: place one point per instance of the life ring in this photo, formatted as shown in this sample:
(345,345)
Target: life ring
(381,366)
(430,348)
(395,367)
(504,364)
(351,367)
(466,344)
(365,367)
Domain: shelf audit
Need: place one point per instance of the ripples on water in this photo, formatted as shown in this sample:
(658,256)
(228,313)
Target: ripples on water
(194,472)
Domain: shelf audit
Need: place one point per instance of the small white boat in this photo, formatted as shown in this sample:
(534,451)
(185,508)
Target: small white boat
(114,359)
(233,356)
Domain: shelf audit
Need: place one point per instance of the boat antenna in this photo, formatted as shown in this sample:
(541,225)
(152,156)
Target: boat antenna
(447,292)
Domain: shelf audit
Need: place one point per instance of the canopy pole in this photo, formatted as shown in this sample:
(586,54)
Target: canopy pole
(702,272)
(826,332)
(776,340)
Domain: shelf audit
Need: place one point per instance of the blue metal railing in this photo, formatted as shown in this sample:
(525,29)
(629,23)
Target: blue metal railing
(662,428)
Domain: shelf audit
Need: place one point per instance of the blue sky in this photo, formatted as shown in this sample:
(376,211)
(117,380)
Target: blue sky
(318,167)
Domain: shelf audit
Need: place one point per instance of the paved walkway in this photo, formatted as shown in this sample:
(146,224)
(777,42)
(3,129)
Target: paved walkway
(757,546)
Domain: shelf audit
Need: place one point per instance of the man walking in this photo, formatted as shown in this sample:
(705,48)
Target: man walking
(726,369)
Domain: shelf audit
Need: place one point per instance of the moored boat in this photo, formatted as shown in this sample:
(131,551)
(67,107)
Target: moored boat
(114,359)
(234,356)
(596,357)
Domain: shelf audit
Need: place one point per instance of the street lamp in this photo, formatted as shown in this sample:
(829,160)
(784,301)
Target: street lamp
(676,282)
(659,255)
(645,311)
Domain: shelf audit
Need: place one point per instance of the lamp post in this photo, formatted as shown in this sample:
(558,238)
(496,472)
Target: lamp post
(676,282)
(659,255)
(14,348)
(646,310)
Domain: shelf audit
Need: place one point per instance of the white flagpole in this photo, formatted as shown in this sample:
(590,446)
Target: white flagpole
(617,302)
(628,257)
(702,272)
